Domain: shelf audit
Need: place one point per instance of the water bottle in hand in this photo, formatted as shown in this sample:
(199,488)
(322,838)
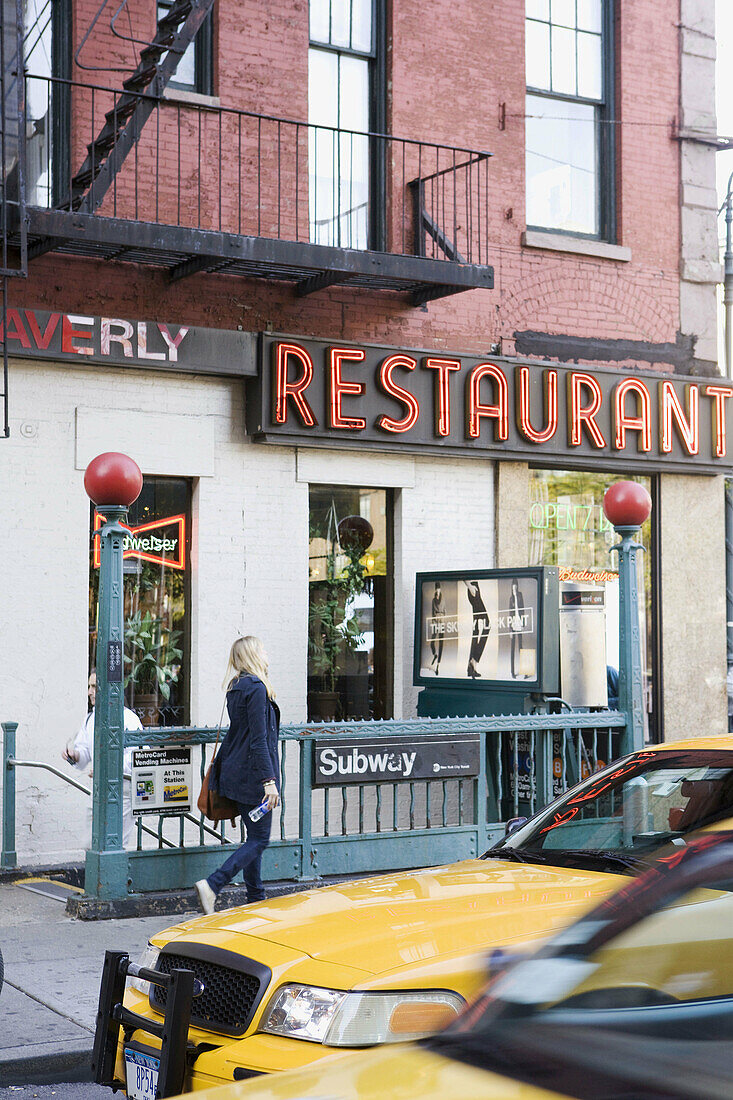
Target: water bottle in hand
(259,811)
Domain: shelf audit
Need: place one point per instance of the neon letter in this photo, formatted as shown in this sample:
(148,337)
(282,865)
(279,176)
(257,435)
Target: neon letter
(476,410)
(584,414)
(387,423)
(285,389)
(550,402)
(689,428)
(719,395)
(339,387)
(441,401)
(624,422)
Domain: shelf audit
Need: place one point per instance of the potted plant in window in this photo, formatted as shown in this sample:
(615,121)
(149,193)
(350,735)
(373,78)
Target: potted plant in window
(333,629)
(152,662)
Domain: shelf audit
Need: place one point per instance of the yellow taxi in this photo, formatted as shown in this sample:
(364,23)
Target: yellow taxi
(634,1000)
(286,983)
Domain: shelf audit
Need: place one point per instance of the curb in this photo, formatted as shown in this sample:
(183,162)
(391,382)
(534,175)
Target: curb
(165,903)
(40,1066)
(71,873)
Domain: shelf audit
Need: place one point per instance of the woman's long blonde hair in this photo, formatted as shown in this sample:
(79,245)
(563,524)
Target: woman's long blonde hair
(247,655)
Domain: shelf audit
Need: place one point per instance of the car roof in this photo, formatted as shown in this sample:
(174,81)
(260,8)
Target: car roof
(722,741)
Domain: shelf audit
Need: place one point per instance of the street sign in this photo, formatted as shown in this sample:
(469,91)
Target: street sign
(394,760)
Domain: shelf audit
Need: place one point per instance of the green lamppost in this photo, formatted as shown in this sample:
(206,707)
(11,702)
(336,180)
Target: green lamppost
(627,505)
(113,482)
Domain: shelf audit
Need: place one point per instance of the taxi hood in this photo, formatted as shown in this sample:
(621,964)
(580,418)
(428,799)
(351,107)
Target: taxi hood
(409,919)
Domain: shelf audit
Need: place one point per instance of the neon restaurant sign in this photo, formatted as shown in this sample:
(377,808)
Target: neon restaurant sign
(381,398)
(160,541)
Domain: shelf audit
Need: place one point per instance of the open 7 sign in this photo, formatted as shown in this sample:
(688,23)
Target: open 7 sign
(161,541)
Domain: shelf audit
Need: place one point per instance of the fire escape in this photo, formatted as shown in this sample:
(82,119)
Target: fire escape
(14,260)
(194,187)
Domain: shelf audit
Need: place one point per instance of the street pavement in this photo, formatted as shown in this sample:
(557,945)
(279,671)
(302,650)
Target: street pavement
(53,965)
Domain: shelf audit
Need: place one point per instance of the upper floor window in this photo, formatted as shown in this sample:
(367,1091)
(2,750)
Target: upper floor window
(195,69)
(569,109)
(47,61)
(345,99)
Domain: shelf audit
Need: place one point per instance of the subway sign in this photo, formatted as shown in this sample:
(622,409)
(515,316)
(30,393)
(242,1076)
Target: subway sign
(367,397)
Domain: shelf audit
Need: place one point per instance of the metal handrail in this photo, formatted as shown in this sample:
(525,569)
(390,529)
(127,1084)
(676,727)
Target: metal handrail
(13,763)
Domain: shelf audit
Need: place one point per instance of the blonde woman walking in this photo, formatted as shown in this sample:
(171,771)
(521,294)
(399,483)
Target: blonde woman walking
(246,768)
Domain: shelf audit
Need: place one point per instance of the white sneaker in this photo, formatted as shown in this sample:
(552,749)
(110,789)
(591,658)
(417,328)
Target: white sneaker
(207,897)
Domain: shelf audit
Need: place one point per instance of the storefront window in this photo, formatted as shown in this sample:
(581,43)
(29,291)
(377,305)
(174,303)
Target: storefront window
(567,528)
(155,565)
(349,602)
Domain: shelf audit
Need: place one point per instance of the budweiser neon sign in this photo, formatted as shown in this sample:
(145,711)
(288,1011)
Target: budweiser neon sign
(161,541)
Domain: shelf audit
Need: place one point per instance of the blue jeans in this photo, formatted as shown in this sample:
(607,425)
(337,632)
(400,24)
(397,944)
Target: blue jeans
(246,859)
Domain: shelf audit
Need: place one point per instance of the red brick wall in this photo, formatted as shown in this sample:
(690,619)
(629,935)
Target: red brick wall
(451,66)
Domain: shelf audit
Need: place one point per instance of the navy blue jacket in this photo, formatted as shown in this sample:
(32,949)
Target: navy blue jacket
(248,755)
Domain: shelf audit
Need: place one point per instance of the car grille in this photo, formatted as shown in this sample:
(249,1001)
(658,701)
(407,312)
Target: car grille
(233,987)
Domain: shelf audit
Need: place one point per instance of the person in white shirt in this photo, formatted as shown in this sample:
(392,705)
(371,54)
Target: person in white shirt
(81,755)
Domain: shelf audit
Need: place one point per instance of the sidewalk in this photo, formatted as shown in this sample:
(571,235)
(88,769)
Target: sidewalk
(53,966)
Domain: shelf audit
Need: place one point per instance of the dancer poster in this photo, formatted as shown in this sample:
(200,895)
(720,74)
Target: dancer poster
(478,627)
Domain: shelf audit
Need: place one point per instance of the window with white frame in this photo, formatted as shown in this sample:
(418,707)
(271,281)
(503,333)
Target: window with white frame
(342,104)
(569,123)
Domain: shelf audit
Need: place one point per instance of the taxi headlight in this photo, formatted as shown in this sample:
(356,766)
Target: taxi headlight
(148,958)
(339,1019)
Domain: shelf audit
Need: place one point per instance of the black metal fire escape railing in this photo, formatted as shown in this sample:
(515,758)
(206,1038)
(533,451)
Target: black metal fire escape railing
(14,258)
(207,188)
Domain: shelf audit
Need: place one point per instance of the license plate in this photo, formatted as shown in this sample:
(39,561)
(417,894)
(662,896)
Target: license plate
(141,1071)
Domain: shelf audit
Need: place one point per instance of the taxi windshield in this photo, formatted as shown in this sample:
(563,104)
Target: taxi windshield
(617,818)
(636,1000)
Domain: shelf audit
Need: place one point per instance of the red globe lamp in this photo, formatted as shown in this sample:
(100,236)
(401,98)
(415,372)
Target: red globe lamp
(627,504)
(113,478)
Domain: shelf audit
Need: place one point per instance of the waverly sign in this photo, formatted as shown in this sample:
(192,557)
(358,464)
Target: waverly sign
(77,338)
(547,413)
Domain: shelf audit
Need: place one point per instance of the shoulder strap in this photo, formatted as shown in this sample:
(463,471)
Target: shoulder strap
(218,732)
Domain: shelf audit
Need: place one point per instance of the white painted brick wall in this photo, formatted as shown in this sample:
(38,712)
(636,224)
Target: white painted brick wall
(445,522)
(249,563)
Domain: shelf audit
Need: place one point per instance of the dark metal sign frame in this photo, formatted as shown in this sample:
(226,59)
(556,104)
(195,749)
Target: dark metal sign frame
(337,763)
(566,415)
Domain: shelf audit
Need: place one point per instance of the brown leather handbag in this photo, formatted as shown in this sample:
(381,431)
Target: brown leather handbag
(213,805)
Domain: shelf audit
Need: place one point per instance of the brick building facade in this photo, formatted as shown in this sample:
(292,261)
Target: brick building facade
(610,263)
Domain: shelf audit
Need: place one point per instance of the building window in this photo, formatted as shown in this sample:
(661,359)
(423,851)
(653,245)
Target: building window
(569,117)
(47,49)
(156,578)
(345,102)
(568,529)
(349,604)
(195,72)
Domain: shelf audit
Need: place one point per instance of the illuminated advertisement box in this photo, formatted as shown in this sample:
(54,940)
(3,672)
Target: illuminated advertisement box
(488,628)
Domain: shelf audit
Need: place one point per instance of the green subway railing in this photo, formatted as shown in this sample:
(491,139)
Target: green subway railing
(525,761)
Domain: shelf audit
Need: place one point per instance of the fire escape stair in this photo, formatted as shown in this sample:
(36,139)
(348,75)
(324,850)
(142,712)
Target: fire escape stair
(123,125)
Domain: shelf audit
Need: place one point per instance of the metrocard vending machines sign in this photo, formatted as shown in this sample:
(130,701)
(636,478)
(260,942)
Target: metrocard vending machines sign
(162,781)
